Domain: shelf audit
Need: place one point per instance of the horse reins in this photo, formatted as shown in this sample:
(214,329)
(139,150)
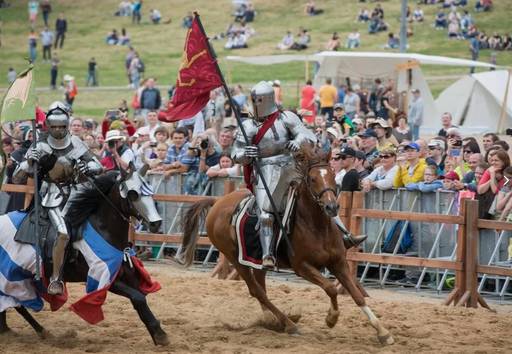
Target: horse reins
(318,197)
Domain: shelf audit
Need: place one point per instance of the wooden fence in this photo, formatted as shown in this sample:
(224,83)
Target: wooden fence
(465,265)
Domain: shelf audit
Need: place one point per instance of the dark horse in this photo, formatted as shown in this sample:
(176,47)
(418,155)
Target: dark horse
(315,240)
(111,219)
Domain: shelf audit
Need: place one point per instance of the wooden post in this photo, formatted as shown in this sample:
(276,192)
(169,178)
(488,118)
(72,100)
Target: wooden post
(356,228)
(28,196)
(131,234)
(460,276)
(471,260)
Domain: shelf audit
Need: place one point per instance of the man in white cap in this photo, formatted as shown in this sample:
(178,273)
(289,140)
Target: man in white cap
(119,155)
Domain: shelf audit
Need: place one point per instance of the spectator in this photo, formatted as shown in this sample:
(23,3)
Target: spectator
(454,30)
(156,162)
(382,177)
(307,102)
(384,137)
(474,48)
(11,75)
(450,181)
(155,16)
(118,154)
(46,8)
(503,200)
(368,145)
(359,126)
(32,46)
(70,89)
(359,160)
(187,21)
(249,13)
(488,140)
(483,5)
(412,169)
(430,183)
(311,10)
(236,40)
(440,21)
(334,43)
(91,73)
(462,161)
(226,139)
(415,114)
(342,122)
(150,98)
(328,96)
(161,134)
(54,71)
(287,41)
(353,40)
(177,161)
(436,154)
(351,102)
(33,9)
(124,38)
(136,11)
(225,168)
(350,182)
(112,38)
(502,144)
(61,27)
(46,42)
(336,165)
(446,123)
(76,127)
(393,42)
(402,132)
(493,179)
(303,40)
(239,97)
(469,181)
(278,93)
(124,9)
(134,71)
(418,15)
(364,15)
(152,124)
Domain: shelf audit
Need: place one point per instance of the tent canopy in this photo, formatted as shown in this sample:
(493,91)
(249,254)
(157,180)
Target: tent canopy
(480,102)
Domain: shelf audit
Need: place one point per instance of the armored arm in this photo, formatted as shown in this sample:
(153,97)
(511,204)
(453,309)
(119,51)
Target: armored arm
(300,133)
(243,153)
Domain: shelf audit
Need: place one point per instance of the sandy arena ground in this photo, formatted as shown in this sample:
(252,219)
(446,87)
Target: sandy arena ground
(212,316)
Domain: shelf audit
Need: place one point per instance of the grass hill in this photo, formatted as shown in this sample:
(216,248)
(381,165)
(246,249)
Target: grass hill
(160,46)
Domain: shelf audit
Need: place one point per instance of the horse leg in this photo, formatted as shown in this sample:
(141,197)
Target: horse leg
(139,303)
(259,293)
(40,330)
(342,273)
(313,275)
(3,323)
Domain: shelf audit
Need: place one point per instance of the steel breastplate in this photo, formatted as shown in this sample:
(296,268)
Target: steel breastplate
(59,144)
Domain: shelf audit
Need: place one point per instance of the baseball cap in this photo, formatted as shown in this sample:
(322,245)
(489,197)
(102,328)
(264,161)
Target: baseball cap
(338,106)
(412,146)
(348,151)
(360,155)
(333,132)
(368,133)
(380,121)
(357,121)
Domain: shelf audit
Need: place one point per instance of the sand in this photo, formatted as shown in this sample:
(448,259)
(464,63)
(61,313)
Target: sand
(213,316)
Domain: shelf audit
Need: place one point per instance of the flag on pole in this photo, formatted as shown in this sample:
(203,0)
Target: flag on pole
(19,103)
(197,76)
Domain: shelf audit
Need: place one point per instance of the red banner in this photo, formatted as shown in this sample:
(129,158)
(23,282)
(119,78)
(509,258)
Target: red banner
(197,76)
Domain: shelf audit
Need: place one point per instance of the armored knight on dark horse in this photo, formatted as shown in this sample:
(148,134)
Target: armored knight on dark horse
(59,182)
(274,135)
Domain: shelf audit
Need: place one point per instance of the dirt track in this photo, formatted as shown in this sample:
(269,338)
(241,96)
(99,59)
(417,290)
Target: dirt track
(205,315)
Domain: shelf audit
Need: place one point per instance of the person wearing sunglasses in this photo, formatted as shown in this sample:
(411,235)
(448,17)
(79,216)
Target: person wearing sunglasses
(462,162)
(436,155)
(350,181)
(413,169)
(383,175)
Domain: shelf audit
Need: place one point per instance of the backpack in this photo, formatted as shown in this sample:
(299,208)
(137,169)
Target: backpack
(392,238)
(141,67)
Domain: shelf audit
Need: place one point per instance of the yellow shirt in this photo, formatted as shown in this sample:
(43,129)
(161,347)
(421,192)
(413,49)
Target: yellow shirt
(403,176)
(328,96)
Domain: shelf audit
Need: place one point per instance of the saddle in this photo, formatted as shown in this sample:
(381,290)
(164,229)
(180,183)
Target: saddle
(245,221)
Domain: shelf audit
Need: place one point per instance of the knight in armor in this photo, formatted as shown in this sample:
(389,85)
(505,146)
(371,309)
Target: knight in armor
(273,149)
(59,155)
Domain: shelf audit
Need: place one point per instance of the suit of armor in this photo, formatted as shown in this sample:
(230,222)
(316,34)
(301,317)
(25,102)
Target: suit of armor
(59,181)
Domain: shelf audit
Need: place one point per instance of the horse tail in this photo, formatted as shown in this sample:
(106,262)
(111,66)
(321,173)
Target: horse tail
(191,220)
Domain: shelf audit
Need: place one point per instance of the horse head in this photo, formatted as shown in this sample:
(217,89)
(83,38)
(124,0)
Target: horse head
(134,188)
(313,165)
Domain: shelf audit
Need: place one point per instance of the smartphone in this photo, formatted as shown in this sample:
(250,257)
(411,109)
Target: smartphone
(455,152)
(457,143)
(112,114)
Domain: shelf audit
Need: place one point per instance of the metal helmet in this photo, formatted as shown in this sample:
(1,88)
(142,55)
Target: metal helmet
(263,101)
(58,117)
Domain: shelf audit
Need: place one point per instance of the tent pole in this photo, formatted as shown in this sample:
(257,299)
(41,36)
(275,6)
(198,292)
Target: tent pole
(503,113)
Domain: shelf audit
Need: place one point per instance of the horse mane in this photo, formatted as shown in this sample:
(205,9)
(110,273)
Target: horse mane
(88,199)
(307,156)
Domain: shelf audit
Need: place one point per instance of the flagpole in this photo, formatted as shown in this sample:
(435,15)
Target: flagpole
(234,107)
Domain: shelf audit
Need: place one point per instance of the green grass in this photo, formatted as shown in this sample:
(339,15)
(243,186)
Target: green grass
(161,46)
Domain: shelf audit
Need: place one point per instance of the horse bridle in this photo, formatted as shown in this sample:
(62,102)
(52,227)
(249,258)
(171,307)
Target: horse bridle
(318,197)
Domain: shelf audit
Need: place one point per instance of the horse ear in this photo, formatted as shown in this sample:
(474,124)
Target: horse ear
(144,169)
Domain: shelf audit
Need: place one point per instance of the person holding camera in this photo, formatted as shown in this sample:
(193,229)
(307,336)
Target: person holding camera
(117,153)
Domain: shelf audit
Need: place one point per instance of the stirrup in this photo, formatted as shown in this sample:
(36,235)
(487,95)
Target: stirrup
(56,287)
(268,262)
(351,241)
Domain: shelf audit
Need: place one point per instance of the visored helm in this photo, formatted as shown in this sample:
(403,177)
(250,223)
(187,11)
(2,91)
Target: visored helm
(57,120)
(263,102)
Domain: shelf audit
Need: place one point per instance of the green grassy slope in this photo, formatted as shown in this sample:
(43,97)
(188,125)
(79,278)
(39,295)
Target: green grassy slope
(161,46)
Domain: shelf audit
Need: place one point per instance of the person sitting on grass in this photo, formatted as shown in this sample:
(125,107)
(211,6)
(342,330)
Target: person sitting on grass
(431,181)
(287,41)
(393,42)
(155,16)
(112,38)
(334,43)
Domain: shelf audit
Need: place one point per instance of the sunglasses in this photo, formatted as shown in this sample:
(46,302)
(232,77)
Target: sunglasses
(468,151)
(432,147)
(385,156)
(341,157)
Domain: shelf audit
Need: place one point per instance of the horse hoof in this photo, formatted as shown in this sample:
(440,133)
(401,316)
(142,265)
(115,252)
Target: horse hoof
(161,339)
(44,334)
(386,339)
(332,318)
(292,329)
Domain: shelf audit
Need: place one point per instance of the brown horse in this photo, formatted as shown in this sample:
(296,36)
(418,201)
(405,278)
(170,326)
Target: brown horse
(315,240)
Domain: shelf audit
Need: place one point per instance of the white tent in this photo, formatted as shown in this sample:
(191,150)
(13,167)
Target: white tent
(480,102)
(405,68)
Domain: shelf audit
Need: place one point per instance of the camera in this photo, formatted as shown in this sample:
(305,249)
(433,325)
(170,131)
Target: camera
(457,143)
(152,144)
(508,131)
(204,144)
(112,114)
(111,144)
